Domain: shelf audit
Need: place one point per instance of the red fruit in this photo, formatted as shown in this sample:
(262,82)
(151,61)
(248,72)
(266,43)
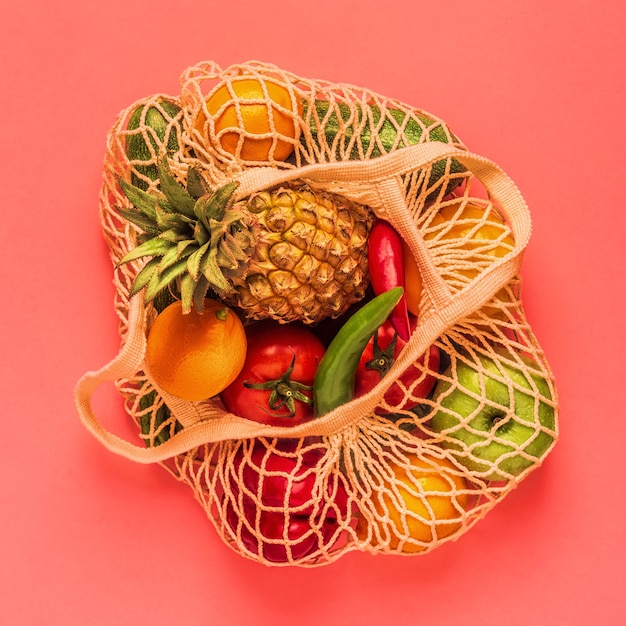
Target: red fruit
(275,384)
(378,357)
(282,513)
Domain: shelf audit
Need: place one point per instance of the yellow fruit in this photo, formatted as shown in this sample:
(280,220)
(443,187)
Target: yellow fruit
(254,119)
(423,503)
(474,238)
(288,253)
(194,356)
(481,235)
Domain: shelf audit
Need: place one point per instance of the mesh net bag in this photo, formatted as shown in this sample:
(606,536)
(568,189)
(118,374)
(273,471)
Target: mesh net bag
(468,406)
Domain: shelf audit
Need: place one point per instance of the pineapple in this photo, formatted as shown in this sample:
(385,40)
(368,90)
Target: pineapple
(289,253)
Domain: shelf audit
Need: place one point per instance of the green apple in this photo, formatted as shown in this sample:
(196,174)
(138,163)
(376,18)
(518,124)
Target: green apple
(497,417)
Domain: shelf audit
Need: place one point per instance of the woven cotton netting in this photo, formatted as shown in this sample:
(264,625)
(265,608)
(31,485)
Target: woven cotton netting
(395,470)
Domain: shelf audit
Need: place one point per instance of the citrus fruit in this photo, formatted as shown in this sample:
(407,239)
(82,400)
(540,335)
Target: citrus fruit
(412,281)
(422,503)
(254,118)
(481,233)
(473,237)
(194,356)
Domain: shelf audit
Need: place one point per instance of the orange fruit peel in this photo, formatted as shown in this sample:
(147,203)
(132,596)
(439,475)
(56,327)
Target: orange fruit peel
(424,503)
(254,119)
(193,356)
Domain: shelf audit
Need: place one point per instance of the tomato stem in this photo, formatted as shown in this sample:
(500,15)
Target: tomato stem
(284,392)
(382,360)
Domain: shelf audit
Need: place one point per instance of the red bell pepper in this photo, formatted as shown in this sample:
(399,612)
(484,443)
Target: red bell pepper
(386,269)
(277,509)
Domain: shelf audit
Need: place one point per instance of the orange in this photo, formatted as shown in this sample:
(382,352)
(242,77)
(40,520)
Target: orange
(254,118)
(194,356)
(412,281)
(484,239)
(424,502)
(483,235)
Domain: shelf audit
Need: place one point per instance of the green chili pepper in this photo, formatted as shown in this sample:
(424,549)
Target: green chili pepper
(334,379)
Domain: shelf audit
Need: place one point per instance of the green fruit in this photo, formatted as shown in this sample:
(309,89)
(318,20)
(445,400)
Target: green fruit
(352,131)
(497,418)
(162,135)
(152,419)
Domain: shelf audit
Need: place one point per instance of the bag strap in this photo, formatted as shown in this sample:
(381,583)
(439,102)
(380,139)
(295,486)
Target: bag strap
(376,182)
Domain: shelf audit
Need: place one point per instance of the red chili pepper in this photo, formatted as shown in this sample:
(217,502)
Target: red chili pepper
(386,269)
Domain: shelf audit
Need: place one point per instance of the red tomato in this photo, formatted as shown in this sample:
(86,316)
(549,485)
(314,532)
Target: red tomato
(380,354)
(275,386)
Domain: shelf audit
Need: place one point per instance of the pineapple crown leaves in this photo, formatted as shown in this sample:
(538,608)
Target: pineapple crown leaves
(189,234)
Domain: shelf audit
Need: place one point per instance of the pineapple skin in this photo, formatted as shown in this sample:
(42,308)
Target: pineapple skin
(309,262)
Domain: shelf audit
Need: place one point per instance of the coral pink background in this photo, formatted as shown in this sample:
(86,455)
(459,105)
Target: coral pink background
(87,537)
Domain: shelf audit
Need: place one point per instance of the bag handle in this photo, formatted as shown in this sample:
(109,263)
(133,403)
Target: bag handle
(375,182)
